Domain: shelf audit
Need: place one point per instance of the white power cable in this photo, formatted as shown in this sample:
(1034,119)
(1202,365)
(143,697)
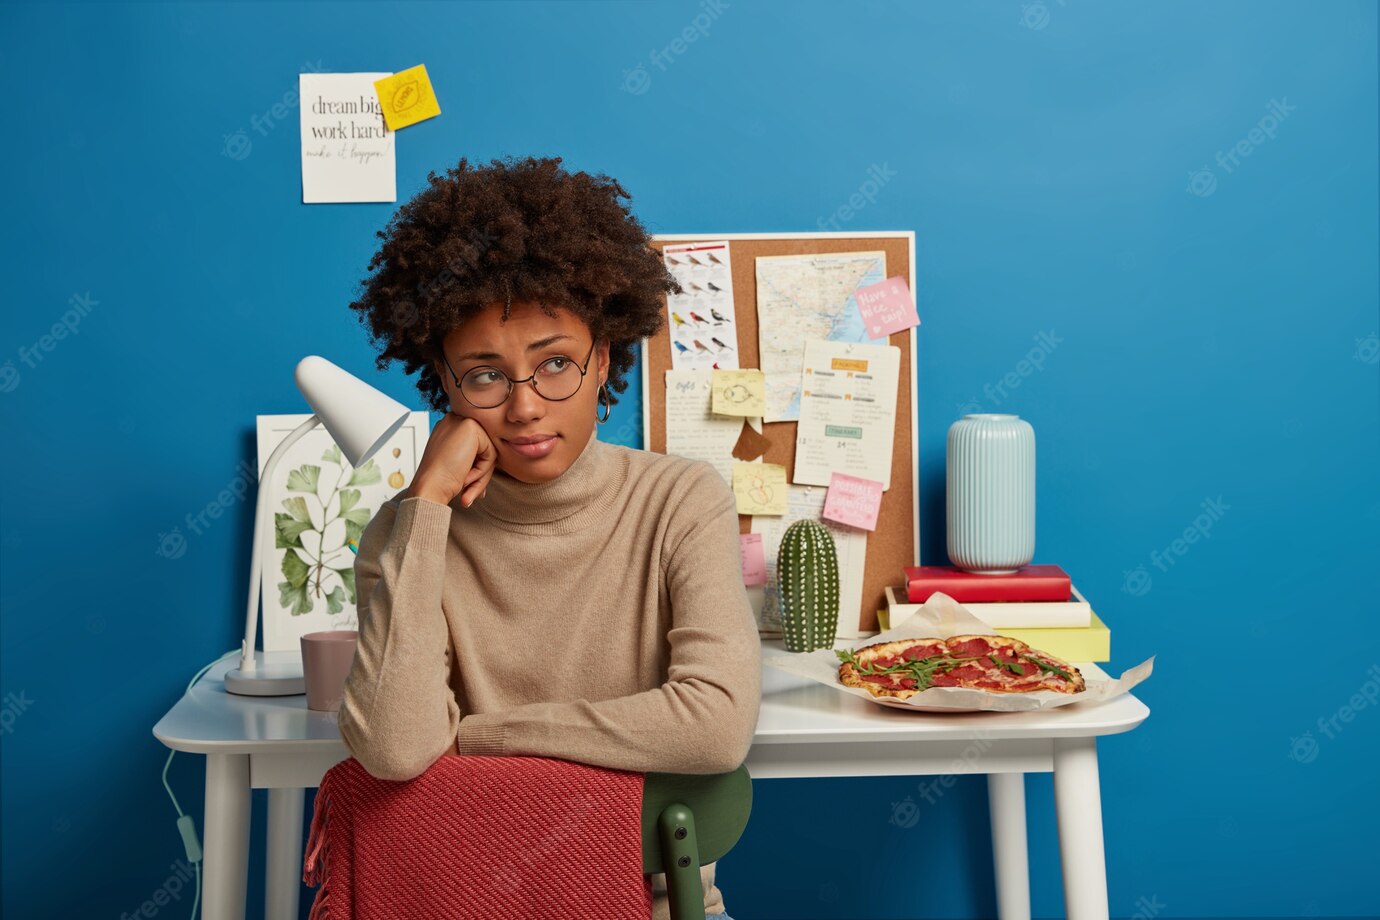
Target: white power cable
(185,825)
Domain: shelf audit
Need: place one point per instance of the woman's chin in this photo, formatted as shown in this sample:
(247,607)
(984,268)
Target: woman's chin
(530,471)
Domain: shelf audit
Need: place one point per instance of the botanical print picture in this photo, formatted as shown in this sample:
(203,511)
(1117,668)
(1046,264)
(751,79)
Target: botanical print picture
(320,506)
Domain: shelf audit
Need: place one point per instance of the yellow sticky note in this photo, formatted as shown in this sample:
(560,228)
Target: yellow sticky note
(739,392)
(407,98)
(759,488)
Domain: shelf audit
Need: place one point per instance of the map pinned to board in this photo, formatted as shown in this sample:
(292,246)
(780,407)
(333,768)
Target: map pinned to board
(804,297)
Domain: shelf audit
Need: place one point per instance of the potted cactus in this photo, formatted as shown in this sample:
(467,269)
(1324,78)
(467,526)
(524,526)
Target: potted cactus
(807,575)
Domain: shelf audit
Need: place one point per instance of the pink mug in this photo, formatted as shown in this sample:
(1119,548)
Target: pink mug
(326,660)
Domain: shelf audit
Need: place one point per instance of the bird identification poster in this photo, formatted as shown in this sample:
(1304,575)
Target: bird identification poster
(701,319)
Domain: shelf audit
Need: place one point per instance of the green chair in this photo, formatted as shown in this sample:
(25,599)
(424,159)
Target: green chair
(689,821)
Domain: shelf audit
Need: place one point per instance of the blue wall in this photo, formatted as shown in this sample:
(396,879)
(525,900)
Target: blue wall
(1214,328)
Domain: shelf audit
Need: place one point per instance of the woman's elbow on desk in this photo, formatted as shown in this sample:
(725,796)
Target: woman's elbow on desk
(725,756)
(382,755)
(728,736)
(722,752)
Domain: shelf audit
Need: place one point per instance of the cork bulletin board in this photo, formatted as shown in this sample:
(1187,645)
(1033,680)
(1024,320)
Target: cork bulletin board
(896,541)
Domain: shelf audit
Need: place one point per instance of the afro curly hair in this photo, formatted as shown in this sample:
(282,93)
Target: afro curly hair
(515,229)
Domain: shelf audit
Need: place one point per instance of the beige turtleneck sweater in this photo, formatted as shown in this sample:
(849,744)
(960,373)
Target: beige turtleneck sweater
(599,617)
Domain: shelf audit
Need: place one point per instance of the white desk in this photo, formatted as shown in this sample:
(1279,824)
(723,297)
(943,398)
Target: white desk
(804,730)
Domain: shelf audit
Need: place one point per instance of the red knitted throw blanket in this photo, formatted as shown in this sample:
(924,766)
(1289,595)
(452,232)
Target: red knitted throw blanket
(479,838)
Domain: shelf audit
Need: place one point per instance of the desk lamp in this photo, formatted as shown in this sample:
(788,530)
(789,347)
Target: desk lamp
(361,420)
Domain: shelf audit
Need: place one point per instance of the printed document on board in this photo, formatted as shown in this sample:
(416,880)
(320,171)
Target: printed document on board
(847,412)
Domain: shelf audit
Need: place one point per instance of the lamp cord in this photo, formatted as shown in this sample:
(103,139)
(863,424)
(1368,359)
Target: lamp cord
(185,823)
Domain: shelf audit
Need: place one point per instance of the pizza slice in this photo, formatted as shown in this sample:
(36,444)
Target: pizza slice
(998,664)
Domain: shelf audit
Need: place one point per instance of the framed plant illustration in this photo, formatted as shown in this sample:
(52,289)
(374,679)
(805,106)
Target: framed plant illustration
(320,506)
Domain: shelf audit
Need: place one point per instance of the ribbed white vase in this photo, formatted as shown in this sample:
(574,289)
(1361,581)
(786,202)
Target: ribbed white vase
(990,492)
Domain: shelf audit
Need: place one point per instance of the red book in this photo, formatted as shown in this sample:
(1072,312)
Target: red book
(1030,583)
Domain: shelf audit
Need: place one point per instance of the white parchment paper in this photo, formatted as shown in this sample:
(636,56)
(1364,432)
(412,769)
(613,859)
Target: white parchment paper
(943,617)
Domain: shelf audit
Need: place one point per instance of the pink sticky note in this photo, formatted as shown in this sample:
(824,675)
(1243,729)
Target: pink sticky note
(853,501)
(886,307)
(754,561)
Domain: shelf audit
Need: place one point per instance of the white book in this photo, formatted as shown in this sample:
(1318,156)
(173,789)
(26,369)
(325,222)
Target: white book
(1073,614)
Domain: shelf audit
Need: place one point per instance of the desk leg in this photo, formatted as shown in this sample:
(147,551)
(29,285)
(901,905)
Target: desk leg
(283,869)
(226,848)
(1078,806)
(1006,797)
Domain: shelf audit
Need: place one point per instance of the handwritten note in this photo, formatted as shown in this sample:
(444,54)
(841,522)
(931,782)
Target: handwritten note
(407,97)
(741,393)
(691,429)
(754,561)
(887,307)
(847,412)
(347,147)
(760,488)
(853,501)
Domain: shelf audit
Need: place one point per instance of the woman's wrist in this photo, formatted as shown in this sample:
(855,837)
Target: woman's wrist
(431,495)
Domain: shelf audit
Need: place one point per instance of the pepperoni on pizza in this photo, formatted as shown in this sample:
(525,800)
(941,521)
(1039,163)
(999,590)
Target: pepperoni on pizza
(998,664)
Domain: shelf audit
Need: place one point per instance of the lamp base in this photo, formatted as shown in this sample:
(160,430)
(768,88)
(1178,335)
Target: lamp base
(274,674)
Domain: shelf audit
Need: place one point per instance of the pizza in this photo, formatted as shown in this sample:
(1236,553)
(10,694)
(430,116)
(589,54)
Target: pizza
(998,664)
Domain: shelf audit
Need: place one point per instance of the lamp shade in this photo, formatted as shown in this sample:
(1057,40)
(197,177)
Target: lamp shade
(359,418)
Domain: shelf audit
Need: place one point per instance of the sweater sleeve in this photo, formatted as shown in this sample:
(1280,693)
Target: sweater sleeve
(398,714)
(702,719)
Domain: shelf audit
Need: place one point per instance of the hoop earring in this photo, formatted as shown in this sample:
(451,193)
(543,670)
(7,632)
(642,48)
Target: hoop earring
(602,399)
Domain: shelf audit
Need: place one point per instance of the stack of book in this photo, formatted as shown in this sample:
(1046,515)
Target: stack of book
(1038,604)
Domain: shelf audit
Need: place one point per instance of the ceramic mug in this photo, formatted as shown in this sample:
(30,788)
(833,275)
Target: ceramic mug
(326,660)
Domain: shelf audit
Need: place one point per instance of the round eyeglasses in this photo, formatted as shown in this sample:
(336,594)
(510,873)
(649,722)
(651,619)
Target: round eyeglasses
(555,379)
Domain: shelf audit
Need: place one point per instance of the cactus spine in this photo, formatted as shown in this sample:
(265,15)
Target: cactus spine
(807,574)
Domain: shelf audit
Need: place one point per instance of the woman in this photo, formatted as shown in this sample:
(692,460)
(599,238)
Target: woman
(537,591)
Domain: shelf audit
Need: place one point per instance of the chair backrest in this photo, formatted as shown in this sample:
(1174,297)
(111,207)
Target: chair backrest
(691,820)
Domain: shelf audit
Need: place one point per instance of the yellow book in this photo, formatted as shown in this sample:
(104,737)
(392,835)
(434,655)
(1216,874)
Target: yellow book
(1086,643)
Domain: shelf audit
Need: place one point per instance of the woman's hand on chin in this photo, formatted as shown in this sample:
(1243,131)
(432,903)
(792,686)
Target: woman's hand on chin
(459,459)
